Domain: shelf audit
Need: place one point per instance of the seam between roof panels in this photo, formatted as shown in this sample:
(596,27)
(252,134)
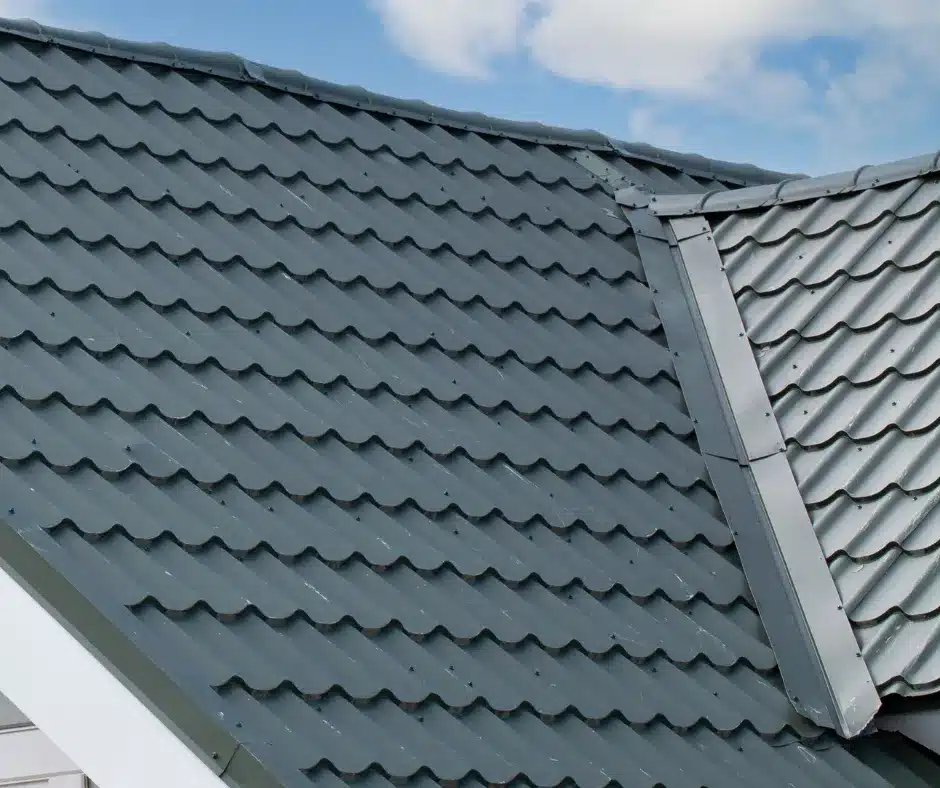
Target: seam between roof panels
(811,636)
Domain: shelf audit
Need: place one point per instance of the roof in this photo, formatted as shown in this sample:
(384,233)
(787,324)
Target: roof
(357,422)
(834,279)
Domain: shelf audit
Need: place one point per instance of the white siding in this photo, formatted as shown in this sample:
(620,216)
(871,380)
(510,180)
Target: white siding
(28,758)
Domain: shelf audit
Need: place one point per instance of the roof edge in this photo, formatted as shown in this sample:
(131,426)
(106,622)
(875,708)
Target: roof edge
(743,449)
(226,65)
(796,189)
(152,734)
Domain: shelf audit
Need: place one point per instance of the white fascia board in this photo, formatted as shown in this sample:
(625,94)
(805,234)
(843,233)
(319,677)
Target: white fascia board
(85,710)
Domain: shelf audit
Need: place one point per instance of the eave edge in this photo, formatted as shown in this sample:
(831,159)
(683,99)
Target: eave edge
(145,730)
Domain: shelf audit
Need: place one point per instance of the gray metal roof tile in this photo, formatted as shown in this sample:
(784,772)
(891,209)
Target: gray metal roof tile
(837,295)
(311,377)
(876,587)
(820,217)
(864,529)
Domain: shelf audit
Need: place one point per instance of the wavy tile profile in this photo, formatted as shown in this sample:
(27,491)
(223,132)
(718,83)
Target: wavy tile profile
(839,296)
(367,417)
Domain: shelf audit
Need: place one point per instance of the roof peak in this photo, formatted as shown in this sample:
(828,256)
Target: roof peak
(226,65)
(790,190)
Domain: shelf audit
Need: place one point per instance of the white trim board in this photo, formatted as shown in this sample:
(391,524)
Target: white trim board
(83,708)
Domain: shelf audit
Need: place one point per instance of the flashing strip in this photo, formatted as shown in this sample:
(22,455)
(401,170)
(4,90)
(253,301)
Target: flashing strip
(819,659)
(94,693)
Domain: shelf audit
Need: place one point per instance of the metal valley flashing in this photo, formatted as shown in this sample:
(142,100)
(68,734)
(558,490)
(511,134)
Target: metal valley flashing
(819,659)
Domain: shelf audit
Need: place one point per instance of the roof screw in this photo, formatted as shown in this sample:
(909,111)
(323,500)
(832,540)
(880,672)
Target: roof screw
(215,756)
(12,510)
(858,654)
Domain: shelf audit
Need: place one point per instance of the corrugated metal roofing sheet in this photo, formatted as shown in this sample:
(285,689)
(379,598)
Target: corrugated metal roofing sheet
(372,425)
(838,296)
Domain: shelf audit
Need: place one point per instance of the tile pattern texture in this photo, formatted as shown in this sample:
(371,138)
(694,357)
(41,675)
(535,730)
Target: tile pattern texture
(372,425)
(840,300)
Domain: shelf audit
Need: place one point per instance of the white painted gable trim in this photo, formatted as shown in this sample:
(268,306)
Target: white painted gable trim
(83,708)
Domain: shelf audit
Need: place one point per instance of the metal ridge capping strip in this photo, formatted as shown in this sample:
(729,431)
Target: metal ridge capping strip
(818,656)
(224,65)
(795,189)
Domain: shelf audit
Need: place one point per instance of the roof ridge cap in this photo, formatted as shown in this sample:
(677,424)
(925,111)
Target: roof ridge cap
(797,189)
(227,65)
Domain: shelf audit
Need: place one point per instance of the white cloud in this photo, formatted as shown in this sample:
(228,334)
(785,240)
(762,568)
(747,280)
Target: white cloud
(646,123)
(711,53)
(459,37)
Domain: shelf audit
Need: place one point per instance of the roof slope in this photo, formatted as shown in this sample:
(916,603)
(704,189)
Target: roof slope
(836,281)
(364,429)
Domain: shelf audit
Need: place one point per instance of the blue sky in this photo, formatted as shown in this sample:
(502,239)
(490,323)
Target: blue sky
(796,85)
